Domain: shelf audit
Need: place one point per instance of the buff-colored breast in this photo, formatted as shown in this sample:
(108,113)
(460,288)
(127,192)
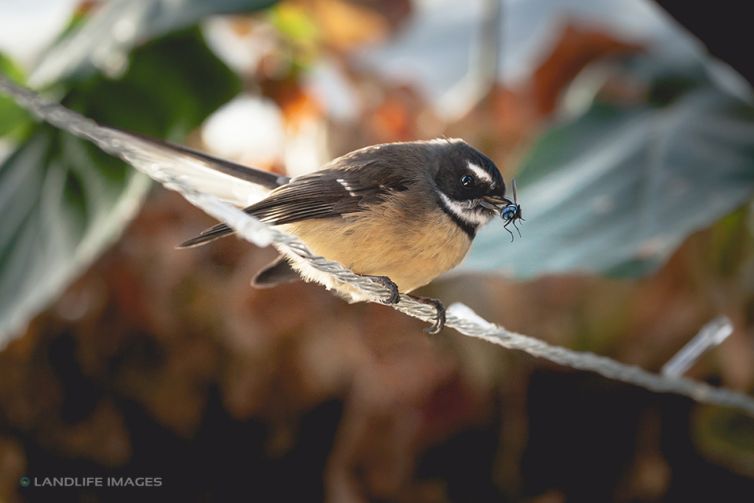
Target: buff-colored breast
(410,249)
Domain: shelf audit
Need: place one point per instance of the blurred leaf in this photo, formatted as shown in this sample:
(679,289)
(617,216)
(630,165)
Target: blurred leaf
(726,437)
(171,85)
(295,23)
(617,189)
(576,47)
(63,200)
(300,39)
(432,53)
(13,119)
(105,38)
(347,24)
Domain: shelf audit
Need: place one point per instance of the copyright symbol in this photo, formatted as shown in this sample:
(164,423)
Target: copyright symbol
(24,481)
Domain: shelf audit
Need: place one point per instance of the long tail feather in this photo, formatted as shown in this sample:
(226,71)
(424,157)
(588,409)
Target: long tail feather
(216,232)
(253,175)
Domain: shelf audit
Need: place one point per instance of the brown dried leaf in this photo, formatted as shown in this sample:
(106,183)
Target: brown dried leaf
(577,46)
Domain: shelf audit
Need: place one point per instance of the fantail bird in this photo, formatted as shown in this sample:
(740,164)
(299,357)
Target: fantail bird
(402,213)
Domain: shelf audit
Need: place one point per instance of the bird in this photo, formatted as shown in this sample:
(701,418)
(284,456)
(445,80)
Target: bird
(400,213)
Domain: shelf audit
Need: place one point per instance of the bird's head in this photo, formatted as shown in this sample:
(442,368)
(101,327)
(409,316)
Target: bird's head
(470,188)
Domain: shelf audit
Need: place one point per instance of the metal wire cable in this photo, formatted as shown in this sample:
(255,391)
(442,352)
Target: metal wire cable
(157,162)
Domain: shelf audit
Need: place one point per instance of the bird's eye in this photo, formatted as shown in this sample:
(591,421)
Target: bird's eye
(509,212)
(467,180)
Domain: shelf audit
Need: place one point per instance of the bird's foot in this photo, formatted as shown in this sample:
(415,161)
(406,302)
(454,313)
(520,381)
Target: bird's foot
(439,322)
(394,296)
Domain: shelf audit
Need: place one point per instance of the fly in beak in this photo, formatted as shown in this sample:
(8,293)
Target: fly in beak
(509,211)
(495,203)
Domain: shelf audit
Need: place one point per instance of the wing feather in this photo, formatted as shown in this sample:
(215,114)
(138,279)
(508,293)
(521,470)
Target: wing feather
(325,194)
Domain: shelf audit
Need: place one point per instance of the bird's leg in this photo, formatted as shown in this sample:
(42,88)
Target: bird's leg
(439,323)
(394,297)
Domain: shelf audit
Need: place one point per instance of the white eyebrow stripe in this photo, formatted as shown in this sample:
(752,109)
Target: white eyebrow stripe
(479,172)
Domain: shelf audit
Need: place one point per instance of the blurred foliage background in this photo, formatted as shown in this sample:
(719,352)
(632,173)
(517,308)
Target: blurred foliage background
(634,152)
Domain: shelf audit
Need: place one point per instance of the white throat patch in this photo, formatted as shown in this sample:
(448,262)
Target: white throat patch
(466,211)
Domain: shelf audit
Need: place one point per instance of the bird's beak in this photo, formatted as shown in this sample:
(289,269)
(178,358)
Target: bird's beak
(494,203)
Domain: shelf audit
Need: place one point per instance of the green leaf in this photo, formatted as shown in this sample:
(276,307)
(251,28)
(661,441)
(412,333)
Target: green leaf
(63,200)
(106,37)
(616,190)
(13,119)
(60,208)
(171,86)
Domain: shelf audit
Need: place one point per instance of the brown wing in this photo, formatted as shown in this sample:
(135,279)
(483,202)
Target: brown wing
(324,194)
